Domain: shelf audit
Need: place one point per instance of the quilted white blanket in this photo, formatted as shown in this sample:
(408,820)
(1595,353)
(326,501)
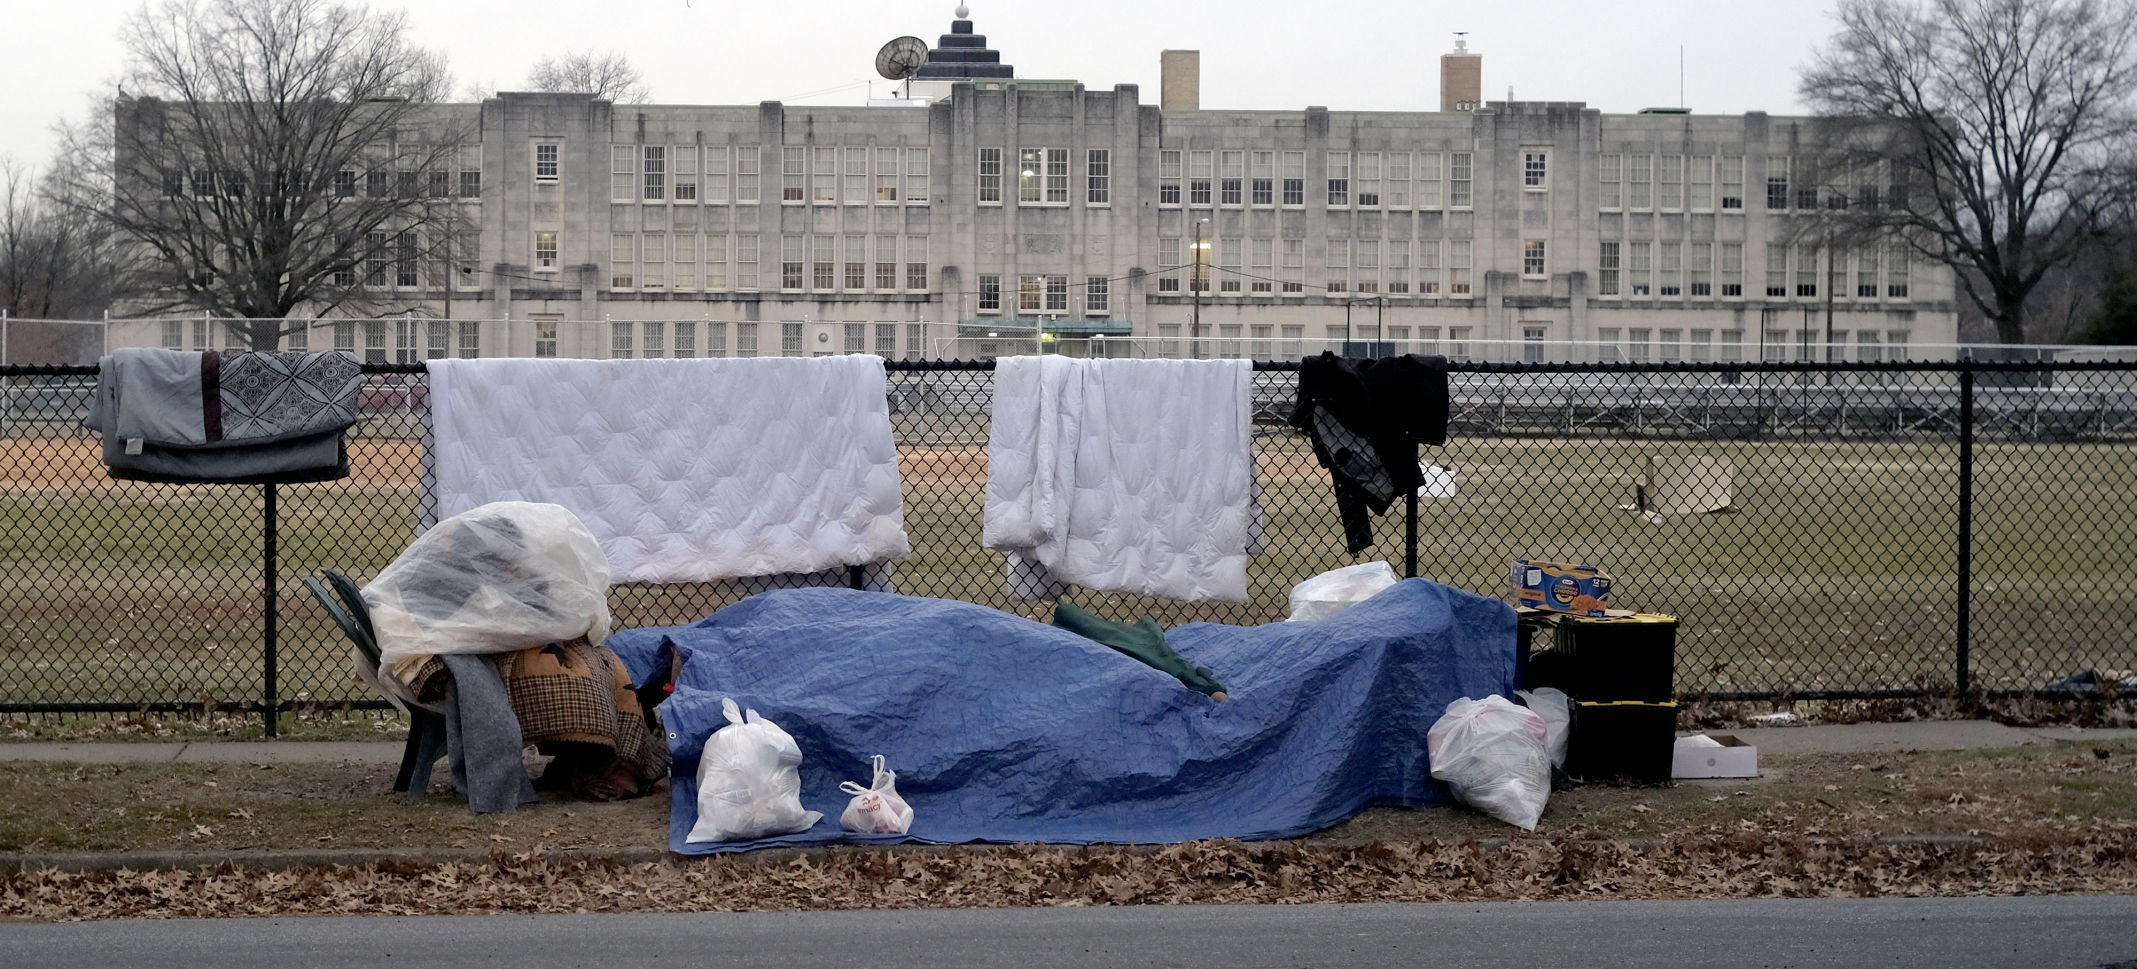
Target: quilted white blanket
(684,470)
(1124,475)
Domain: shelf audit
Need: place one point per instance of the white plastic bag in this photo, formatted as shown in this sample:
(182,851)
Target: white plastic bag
(877,808)
(1491,754)
(1333,591)
(1556,709)
(749,782)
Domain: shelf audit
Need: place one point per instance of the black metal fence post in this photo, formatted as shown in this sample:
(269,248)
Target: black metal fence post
(1966,526)
(1409,535)
(271,709)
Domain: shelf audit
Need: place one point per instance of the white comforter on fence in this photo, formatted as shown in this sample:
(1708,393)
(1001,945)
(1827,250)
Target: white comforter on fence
(684,470)
(1124,475)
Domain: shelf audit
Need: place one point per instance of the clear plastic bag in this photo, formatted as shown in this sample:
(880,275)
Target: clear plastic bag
(1491,754)
(877,808)
(749,781)
(1556,709)
(1333,591)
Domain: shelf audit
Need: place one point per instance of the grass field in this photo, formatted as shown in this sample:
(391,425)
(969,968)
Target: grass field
(1836,570)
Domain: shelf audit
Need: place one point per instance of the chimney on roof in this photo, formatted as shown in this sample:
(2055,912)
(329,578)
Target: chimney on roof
(1461,76)
(1180,80)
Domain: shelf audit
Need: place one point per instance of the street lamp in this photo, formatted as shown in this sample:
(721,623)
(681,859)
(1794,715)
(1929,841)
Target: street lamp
(1201,255)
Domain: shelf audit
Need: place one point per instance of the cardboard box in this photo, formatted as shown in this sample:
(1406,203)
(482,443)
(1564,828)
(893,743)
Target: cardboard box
(1581,590)
(1734,758)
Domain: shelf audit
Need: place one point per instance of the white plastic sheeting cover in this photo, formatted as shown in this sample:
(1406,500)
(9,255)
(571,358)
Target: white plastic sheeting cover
(501,577)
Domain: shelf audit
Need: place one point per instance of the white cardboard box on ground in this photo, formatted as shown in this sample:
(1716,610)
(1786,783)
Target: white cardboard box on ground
(1733,758)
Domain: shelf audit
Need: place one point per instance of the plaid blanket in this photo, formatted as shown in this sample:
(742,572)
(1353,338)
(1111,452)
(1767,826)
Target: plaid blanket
(575,704)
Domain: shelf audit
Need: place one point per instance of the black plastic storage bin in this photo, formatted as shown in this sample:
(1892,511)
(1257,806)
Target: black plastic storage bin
(1626,740)
(1596,658)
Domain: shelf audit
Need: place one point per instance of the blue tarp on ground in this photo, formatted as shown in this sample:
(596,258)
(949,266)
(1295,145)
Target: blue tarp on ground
(1003,729)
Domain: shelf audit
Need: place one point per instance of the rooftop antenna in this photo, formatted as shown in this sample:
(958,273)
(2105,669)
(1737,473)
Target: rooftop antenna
(1461,41)
(902,58)
(1680,75)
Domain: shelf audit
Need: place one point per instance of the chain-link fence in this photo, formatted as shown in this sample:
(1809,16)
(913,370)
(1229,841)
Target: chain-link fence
(1890,528)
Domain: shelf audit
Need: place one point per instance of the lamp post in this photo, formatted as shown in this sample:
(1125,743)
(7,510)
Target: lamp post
(1194,328)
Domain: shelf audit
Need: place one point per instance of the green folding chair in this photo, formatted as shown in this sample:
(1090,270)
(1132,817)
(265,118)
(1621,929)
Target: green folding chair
(344,603)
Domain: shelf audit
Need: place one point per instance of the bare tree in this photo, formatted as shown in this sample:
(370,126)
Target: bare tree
(51,266)
(608,75)
(1987,135)
(267,156)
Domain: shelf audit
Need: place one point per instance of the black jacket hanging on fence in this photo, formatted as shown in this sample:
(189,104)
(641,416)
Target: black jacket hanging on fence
(1366,418)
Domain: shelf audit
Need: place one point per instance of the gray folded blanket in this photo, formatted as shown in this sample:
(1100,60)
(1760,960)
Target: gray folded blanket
(235,416)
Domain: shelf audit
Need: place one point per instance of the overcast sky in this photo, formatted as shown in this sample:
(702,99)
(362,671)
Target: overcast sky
(1379,55)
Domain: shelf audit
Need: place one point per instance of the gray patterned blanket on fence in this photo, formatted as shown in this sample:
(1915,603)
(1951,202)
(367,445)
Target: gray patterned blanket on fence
(234,417)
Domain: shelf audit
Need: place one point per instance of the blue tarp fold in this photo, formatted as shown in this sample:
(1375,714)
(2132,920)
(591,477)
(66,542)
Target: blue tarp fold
(1003,729)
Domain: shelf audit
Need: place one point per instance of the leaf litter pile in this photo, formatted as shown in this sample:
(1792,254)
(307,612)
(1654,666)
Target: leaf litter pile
(2058,819)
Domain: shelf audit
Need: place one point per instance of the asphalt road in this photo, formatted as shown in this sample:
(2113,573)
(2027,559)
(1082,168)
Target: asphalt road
(2032,933)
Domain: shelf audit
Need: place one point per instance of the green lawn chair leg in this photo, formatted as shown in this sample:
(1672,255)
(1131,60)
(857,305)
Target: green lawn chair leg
(426,743)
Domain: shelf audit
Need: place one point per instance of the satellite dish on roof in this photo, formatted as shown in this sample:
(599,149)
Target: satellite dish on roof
(902,58)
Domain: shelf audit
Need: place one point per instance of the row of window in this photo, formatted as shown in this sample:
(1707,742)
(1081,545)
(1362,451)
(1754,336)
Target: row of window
(375,341)
(1261,267)
(1669,344)
(465,183)
(1366,180)
(1672,270)
(686,261)
(1047,294)
(1042,176)
(823,175)
(1690,182)
(657,338)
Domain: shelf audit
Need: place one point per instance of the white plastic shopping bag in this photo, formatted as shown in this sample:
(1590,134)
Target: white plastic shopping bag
(1333,591)
(1491,754)
(749,781)
(877,808)
(1556,709)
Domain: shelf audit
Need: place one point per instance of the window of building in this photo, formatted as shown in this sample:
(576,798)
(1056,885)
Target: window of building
(655,336)
(1532,264)
(1097,296)
(990,176)
(174,334)
(545,250)
(1365,266)
(1199,172)
(1294,340)
(1866,272)
(886,340)
(1294,178)
(545,334)
(653,261)
(1896,275)
(404,261)
(622,173)
(1031,175)
(1429,281)
(823,176)
(1458,342)
(1230,253)
(683,159)
(916,264)
(916,341)
(377,184)
(1699,171)
(886,263)
(1732,183)
(1458,179)
(545,161)
(685,339)
(916,176)
(1867,346)
(1398,267)
(1610,181)
(713,184)
(1098,177)
(684,247)
(1171,166)
(438,184)
(790,335)
(1609,264)
(748,159)
(1458,263)
(470,339)
(1699,262)
(790,262)
(1293,278)
(1639,269)
(1338,267)
(1263,261)
(746,255)
(794,176)
(823,263)
(655,173)
(1670,264)
(1776,271)
(1777,182)
(374,341)
(716,277)
(1639,345)
(1169,259)
(1057,176)
(715,338)
(1399,180)
(1807,272)
(1669,183)
(1669,345)
(855,183)
(1702,346)
(1532,348)
(1535,170)
(1057,294)
(1232,178)
(990,293)
(1640,181)
(1429,166)
(1338,178)
(622,260)
(886,176)
(856,263)
(1262,168)
(1031,290)
(745,339)
(1368,179)
(853,338)
(344,336)
(1732,270)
